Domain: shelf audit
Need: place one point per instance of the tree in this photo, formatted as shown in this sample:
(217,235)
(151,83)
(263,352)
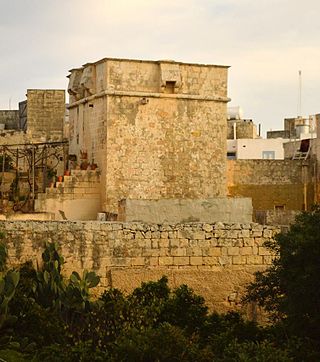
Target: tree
(290,289)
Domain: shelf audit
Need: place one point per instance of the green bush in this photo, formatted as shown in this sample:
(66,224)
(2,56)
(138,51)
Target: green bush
(290,289)
(53,318)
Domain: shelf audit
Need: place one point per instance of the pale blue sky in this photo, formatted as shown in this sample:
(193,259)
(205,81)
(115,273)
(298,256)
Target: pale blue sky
(265,42)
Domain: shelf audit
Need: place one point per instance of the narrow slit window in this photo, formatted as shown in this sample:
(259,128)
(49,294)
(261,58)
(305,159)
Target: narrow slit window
(170,85)
(231,155)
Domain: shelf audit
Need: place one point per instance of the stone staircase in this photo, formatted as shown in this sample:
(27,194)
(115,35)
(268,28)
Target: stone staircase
(76,197)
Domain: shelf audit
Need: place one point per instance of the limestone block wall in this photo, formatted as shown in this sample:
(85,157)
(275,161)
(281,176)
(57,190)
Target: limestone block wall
(217,260)
(134,76)
(10,118)
(230,210)
(13,137)
(167,148)
(17,140)
(278,134)
(88,129)
(77,197)
(146,76)
(290,148)
(45,113)
(244,129)
(156,129)
(272,183)
(276,217)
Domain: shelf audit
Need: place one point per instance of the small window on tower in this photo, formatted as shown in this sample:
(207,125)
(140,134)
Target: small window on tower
(170,87)
(231,155)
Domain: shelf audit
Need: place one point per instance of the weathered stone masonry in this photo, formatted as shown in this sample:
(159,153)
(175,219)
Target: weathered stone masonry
(271,183)
(156,129)
(216,260)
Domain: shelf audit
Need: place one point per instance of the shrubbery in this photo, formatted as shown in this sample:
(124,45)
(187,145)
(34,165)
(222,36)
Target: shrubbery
(290,289)
(45,317)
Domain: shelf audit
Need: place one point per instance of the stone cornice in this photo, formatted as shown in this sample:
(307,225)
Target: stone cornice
(112,92)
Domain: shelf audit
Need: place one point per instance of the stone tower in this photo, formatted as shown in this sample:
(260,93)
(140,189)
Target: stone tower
(156,129)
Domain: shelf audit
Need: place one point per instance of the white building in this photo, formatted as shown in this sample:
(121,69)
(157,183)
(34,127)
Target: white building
(256,148)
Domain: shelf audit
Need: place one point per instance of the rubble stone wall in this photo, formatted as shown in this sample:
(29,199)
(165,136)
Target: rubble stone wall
(216,260)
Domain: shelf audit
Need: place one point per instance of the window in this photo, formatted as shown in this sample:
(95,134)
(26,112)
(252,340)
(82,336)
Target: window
(268,155)
(170,87)
(231,155)
(279,207)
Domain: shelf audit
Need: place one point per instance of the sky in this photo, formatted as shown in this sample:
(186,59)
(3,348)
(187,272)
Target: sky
(265,43)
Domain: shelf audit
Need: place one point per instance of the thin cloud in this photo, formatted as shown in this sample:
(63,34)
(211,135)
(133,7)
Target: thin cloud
(266,42)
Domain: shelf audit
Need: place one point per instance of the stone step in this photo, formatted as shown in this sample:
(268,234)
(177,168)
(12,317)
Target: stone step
(86,175)
(79,182)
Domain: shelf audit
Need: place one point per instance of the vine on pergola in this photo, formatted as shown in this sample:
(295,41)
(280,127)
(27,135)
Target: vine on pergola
(45,156)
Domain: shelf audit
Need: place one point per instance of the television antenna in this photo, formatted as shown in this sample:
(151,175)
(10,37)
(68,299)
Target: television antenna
(299,108)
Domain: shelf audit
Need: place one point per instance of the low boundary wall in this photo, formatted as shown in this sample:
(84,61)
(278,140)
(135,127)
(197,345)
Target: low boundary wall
(217,260)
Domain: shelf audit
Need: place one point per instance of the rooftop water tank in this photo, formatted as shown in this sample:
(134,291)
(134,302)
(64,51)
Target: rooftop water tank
(302,129)
(235,113)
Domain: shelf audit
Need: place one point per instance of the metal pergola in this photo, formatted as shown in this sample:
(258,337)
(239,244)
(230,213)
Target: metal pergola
(38,159)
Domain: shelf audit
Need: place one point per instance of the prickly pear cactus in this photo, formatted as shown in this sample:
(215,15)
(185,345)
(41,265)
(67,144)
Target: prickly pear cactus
(8,284)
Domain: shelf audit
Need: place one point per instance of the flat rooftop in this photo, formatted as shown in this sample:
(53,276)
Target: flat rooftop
(151,61)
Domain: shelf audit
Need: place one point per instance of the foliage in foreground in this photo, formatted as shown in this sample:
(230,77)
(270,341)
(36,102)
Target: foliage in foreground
(50,318)
(290,289)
